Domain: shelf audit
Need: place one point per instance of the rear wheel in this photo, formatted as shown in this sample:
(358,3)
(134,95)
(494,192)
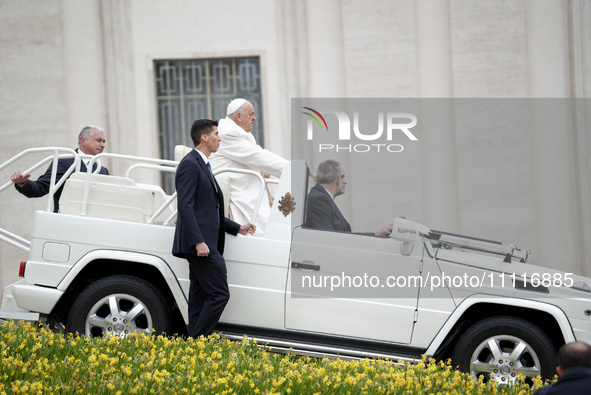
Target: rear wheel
(118,306)
(505,347)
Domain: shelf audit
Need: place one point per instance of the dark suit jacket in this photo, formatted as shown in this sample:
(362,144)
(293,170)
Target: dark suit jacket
(323,213)
(33,189)
(576,381)
(200,209)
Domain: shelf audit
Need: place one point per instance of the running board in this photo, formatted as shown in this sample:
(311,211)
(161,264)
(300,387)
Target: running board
(321,346)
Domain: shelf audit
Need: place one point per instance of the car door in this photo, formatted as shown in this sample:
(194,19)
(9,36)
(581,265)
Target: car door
(352,285)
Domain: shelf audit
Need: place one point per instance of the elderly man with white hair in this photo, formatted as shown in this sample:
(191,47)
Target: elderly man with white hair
(239,150)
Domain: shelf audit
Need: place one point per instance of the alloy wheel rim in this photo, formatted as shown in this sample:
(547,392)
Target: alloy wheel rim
(506,357)
(118,315)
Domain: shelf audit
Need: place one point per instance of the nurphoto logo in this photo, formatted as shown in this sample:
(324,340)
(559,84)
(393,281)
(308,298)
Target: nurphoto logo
(396,124)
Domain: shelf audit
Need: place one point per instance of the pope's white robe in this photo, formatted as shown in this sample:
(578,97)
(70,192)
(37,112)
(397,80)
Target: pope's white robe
(239,150)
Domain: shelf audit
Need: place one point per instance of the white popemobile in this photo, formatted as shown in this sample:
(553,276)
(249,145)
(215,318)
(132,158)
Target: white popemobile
(418,292)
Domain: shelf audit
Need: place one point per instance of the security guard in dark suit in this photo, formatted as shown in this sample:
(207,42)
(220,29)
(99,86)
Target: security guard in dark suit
(91,141)
(200,230)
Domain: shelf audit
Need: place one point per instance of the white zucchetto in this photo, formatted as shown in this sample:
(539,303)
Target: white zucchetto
(235,105)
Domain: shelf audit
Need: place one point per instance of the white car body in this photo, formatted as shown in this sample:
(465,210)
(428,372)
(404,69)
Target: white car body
(84,245)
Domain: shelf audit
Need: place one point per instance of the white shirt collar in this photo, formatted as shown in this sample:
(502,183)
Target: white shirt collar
(86,161)
(327,191)
(203,156)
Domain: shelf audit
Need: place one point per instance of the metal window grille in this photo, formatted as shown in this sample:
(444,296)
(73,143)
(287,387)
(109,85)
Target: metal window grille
(190,89)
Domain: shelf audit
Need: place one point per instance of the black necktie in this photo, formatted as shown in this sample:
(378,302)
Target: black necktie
(216,189)
(212,177)
(94,165)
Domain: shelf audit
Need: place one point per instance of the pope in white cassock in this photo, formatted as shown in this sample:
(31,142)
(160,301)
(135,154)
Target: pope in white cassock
(239,150)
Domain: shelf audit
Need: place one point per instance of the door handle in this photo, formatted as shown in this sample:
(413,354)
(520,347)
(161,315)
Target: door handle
(309,266)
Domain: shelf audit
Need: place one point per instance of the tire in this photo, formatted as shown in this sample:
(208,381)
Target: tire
(505,346)
(118,306)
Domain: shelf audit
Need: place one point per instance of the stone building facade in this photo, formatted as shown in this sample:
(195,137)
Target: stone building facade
(69,63)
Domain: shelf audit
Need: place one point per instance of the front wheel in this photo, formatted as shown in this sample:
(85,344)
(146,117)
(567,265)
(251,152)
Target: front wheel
(505,347)
(118,306)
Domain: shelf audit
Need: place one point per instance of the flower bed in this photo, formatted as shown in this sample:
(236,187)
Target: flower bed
(37,361)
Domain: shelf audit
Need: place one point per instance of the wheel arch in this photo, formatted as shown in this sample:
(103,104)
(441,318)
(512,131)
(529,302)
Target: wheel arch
(548,317)
(99,264)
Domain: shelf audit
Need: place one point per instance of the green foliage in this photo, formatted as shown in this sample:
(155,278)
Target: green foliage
(35,360)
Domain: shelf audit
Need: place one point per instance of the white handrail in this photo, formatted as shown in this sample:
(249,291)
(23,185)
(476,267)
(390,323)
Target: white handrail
(172,216)
(15,240)
(149,163)
(72,153)
(242,171)
(11,238)
(117,156)
(257,174)
(169,201)
(149,166)
(160,210)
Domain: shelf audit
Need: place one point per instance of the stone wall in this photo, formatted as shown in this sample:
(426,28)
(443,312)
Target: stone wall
(67,63)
